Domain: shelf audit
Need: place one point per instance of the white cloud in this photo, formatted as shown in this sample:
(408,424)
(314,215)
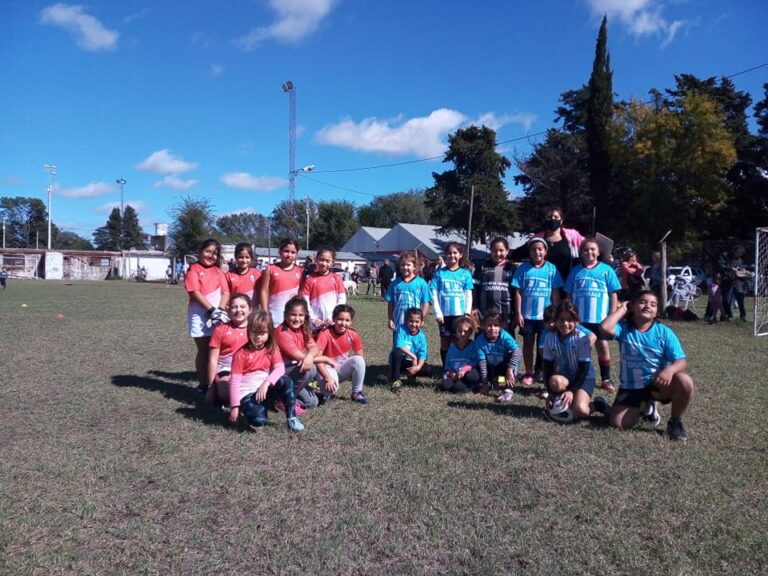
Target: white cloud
(246,181)
(91,190)
(422,136)
(138,205)
(295,19)
(90,33)
(175,183)
(164,162)
(641,17)
(216,70)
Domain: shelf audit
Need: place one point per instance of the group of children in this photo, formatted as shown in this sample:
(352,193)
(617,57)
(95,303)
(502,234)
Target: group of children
(292,353)
(279,340)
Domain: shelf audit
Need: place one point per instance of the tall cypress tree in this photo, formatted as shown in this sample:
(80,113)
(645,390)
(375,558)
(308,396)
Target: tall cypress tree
(133,234)
(599,114)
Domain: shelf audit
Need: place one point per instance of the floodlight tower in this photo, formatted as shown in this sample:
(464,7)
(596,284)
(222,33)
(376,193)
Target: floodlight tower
(51,169)
(291,90)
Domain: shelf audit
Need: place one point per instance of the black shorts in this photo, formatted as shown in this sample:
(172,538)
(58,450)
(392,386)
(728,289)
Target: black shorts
(446,328)
(635,398)
(595,329)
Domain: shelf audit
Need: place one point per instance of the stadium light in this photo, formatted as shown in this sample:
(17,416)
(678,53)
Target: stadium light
(51,169)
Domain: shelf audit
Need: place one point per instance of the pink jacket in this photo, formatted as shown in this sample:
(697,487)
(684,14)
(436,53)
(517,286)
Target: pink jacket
(573,237)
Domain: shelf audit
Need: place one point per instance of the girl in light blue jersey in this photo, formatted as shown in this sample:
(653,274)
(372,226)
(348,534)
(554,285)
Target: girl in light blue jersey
(451,288)
(593,286)
(652,366)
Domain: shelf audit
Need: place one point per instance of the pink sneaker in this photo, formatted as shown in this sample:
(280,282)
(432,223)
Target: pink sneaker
(297,408)
(527,379)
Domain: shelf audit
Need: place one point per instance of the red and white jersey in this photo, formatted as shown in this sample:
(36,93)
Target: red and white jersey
(323,294)
(338,346)
(228,339)
(292,342)
(249,370)
(283,285)
(247,283)
(211,282)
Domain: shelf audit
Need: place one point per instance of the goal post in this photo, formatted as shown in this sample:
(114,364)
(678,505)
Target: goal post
(761,282)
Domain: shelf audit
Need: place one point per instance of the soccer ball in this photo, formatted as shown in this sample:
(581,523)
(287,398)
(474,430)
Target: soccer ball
(558,412)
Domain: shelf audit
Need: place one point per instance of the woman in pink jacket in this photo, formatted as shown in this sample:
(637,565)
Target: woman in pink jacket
(564,243)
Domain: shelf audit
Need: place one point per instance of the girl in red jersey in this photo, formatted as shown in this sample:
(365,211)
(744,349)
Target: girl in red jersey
(208,293)
(258,377)
(335,343)
(300,352)
(280,281)
(225,341)
(244,279)
(323,290)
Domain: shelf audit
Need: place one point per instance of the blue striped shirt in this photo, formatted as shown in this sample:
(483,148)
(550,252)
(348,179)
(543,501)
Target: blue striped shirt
(536,285)
(495,352)
(591,289)
(451,287)
(404,295)
(568,352)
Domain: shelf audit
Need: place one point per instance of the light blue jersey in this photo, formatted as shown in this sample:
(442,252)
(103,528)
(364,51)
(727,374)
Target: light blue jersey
(457,358)
(404,295)
(567,353)
(643,354)
(414,343)
(536,285)
(591,289)
(451,287)
(495,352)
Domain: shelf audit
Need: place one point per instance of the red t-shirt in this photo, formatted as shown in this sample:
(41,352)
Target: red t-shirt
(228,339)
(338,346)
(211,282)
(248,283)
(292,341)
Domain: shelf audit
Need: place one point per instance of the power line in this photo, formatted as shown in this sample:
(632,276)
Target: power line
(507,141)
(302,175)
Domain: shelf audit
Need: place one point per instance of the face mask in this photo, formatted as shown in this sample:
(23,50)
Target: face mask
(553,224)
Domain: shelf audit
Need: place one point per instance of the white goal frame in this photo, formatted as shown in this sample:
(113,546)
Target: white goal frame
(761,282)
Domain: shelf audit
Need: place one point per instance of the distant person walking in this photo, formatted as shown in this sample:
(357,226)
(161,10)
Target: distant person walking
(4,278)
(373,276)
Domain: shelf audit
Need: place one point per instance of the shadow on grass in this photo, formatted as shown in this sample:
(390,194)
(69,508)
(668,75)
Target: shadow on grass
(507,409)
(183,393)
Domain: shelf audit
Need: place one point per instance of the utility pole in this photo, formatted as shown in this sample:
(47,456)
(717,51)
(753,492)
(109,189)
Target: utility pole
(51,169)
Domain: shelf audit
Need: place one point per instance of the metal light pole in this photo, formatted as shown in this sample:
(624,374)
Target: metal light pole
(122,181)
(51,169)
(290,89)
(308,168)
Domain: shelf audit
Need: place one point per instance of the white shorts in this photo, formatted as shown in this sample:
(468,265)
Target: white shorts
(196,320)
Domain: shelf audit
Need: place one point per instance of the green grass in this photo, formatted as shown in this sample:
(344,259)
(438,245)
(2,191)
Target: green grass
(107,466)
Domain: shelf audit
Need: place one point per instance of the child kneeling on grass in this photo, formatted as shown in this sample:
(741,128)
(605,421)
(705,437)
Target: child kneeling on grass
(335,344)
(410,352)
(652,366)
(460,371)
(498,356)
(568,370)
(258,377)
(225,341)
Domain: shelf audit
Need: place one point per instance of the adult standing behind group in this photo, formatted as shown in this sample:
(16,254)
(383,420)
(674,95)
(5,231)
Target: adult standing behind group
(386,273)
(564,243)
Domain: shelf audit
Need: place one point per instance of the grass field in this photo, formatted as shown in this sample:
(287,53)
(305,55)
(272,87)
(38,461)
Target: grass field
(107,466)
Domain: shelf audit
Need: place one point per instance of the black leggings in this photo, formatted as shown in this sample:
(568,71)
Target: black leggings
(400,361)
(255,412)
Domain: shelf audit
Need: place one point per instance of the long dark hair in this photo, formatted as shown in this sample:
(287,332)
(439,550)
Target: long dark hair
(306,329)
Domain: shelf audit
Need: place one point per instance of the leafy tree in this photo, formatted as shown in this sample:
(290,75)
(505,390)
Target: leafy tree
(476,163)
(193,222)
(26,220)
(289,220)
(336,223)
(597,123)
(70,241)
(133,236)
(555,175)
(573,110)
(732,104)
(243,227)
(401,207)
(107,237)
(672,164)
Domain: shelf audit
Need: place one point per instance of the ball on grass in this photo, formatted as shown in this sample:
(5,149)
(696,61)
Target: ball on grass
(59,315)
(23,305)
(558,412)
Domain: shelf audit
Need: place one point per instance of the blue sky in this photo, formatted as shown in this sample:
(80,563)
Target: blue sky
(185,98)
